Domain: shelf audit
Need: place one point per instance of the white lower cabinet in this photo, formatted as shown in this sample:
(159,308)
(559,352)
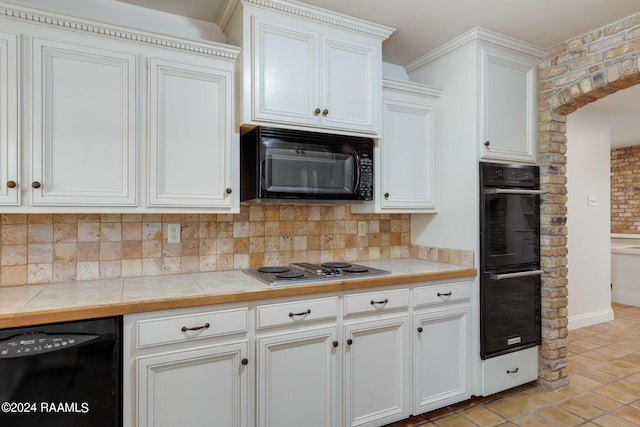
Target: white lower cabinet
(441,345)
(509,370)
(205,386)
(348,359)
(376,371)
(296,382)
(296,367)
(440,358)
(187,368)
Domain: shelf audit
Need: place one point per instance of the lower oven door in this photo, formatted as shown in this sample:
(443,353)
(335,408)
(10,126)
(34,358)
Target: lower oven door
(509,311)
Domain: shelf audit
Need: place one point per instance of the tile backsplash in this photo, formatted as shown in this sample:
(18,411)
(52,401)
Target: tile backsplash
(52,248)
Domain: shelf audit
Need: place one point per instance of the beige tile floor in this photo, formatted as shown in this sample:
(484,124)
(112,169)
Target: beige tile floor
(604,390)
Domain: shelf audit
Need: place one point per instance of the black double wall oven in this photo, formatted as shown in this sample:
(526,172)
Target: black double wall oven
(509,258)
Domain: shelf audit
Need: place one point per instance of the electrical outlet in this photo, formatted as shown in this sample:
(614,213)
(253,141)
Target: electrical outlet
(362,228)
(173,233)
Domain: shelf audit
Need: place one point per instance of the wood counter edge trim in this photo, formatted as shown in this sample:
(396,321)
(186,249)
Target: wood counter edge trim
(41,317)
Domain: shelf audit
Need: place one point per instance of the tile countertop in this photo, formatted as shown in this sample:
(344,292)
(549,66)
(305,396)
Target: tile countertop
(39,304)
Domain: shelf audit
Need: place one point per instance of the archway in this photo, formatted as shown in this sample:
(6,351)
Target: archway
(571,75)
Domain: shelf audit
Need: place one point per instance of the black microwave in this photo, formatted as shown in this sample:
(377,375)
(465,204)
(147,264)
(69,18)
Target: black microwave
(290,165)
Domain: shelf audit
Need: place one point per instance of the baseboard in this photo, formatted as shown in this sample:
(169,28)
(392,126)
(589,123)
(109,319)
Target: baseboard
(626,298)
(589,319)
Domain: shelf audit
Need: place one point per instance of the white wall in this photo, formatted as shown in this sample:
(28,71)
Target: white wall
(589,257)
(456,223)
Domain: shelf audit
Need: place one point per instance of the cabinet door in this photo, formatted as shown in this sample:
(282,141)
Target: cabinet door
(441,358)
(206,386)
(9,83)
(84,124)
(285,73)
(297,379)
(376,372)
(508,106)
(189,135)
(407,163)
(350,81)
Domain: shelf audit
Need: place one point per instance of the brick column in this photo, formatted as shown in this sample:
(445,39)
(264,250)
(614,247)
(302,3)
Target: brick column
(571,75)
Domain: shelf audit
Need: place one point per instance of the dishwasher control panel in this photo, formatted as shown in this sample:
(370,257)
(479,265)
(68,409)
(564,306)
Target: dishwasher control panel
(39,343)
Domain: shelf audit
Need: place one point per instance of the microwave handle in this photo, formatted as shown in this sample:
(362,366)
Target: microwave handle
(359,169)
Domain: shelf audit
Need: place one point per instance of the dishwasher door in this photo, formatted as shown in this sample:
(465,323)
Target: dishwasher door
(65,374)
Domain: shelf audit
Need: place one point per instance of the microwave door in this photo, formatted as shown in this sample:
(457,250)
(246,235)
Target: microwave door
(291,171)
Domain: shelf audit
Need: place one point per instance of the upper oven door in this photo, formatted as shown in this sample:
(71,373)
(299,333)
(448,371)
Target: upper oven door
(510,227)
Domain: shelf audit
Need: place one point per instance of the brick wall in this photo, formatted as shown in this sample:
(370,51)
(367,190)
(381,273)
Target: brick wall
(625,190)
(571,75)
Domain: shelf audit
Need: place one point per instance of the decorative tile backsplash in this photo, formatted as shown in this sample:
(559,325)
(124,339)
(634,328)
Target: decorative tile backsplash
(52,248)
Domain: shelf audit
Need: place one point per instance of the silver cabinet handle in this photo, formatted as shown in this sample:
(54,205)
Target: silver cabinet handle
(493,276)
(510,191)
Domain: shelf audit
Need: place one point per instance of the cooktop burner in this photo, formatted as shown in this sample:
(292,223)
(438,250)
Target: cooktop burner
(290,275)
(353,269)
(303,272)
(274,269)
(335,265)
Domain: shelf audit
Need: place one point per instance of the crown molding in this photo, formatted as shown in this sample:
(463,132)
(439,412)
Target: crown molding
(410,87)
(48,18)
(480,35)
(301,10)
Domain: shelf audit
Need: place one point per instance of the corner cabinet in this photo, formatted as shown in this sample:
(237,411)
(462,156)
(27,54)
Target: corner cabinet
(110,119)
(508,105)
(322,71)
(406,174)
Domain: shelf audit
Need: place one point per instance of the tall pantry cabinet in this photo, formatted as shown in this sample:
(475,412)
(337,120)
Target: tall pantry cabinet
(487,112)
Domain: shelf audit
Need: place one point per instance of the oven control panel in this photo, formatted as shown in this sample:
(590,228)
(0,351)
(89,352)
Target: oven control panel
(39,343)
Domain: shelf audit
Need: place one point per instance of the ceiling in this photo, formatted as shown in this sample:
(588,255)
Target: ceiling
(422,25)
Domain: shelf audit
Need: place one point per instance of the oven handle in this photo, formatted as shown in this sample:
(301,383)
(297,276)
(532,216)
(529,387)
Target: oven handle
(510,191)
(494,276)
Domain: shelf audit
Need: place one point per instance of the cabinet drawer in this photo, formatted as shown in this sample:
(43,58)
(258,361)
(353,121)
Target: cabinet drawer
(296,312)
(447,292)
(166,330)
(508,371)
(372,302)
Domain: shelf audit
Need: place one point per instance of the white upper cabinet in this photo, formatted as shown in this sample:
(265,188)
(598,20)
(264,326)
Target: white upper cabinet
(9,139)
(308,72)
(84,124)
(115,119)
(286,87)
(406,175)
(190,137)
(508,103)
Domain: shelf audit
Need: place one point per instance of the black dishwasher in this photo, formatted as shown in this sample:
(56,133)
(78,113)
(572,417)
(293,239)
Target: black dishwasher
(62,375)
